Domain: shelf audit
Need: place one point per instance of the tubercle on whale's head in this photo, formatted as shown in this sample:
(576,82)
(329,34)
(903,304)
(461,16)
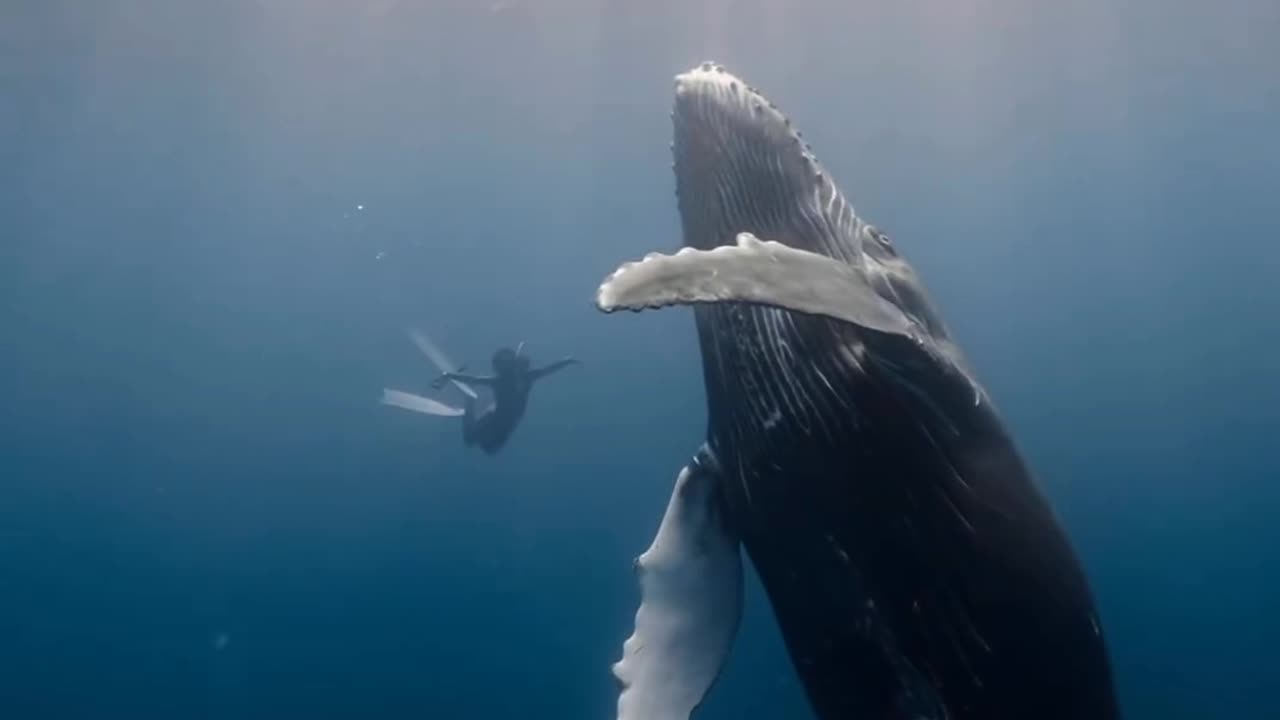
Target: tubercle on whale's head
(739,163)
(742,167)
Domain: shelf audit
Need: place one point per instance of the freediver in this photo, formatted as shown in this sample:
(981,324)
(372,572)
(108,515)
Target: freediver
(510,383)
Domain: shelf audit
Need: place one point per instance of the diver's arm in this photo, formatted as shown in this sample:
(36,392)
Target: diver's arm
(463,378)
(557,365)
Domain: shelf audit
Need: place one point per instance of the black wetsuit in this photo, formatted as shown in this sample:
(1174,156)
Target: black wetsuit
(511,382)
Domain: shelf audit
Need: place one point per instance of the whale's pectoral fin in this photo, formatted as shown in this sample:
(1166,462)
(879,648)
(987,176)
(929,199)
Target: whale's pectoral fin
(417,403)
(753,271)
(691,602)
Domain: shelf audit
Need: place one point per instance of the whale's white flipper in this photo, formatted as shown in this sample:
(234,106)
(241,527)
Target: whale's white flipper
(439,359)
(753,271)
(420,404)
(691,603)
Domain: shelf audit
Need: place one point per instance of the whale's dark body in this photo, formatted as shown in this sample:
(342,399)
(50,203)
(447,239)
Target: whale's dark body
(914,568)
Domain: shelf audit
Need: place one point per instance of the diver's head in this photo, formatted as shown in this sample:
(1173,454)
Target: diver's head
(506,360)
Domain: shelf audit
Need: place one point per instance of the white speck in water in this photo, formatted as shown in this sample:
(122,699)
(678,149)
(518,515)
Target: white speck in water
(220,641)
(381,254)
(359,207)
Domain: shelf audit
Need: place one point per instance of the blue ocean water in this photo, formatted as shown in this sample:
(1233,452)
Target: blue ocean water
(217,221)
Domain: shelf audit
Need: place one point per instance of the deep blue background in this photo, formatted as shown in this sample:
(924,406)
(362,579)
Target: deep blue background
(204,512)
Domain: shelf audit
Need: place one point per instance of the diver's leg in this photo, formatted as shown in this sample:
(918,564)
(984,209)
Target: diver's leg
(469,421)
(472,422)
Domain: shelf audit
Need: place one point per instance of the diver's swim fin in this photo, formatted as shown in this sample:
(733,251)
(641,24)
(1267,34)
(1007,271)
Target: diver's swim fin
(417,403)
(438,358)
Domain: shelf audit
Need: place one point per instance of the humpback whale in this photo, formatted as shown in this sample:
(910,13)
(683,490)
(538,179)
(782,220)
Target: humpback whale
(915,569)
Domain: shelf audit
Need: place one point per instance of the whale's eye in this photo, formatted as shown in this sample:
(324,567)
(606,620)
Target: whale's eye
(881,239)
